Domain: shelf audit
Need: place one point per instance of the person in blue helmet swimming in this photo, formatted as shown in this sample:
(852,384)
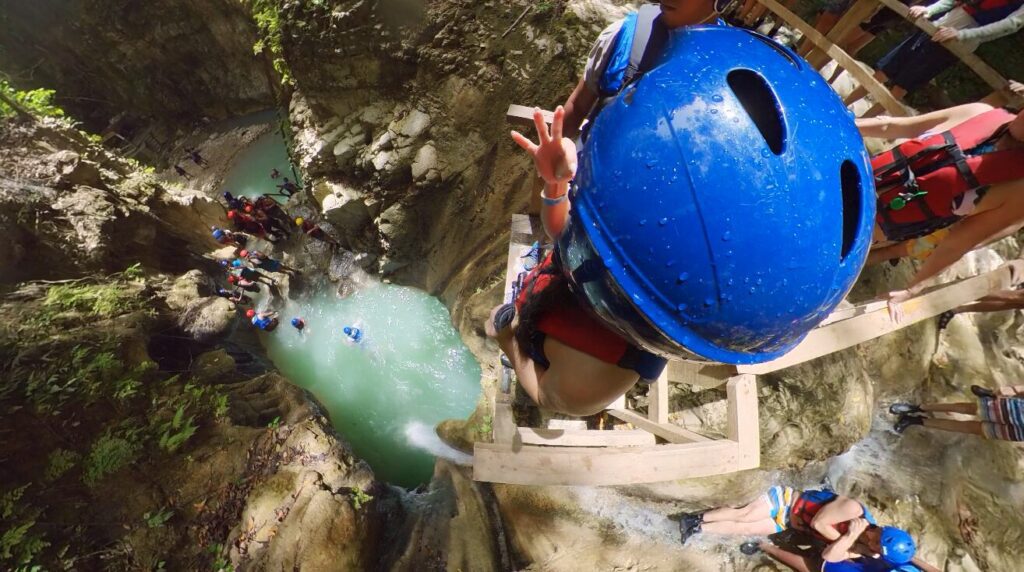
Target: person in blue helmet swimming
(353,334)
(630,47)
(298,323)
(846,525)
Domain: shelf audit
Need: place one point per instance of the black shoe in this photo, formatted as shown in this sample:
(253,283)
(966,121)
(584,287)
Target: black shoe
(906,421)
(982,391)
(505,361)
(750,548)
(504,316)
(690,525)
(904,408)
(945,318)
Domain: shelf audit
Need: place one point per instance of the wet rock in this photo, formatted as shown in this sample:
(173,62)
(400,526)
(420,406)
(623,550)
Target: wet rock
(424,166)
(212,367)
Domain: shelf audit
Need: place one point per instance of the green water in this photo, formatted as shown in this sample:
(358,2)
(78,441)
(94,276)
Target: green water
(385,394)
(250,173)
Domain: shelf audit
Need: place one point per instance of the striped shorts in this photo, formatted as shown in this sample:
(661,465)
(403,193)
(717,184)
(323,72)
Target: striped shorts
(780,499)
(1002,418)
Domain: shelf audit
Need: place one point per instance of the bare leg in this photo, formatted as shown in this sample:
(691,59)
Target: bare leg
(756,510)
(970,427)
(796,562)
(996,302)
(965,408)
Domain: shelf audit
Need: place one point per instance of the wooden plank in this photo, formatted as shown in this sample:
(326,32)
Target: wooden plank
(657,399)
(852,66)
(743,419)
(972,61)
(709,375)
(852,18)
(523,115)
(619,403)
(585,437)
(668,432)
(504,424)
(520,242)
(584,466)
(876,323)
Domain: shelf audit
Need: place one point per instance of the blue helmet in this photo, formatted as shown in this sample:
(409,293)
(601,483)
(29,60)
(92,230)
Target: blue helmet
(297,322)
(218,233)
(347,330)
(236,263)
(897,545)
(723,203)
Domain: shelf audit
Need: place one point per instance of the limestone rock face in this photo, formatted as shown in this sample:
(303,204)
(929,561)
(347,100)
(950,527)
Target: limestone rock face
(196,57)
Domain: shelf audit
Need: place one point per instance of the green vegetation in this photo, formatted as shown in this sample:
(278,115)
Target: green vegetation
(110,453)
(268,20)
(158,518)
(61,461)
(19,543)
(358,498)
(37,102)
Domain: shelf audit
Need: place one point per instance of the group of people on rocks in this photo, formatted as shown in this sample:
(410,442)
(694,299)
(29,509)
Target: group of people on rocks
(953,185)
(265,219)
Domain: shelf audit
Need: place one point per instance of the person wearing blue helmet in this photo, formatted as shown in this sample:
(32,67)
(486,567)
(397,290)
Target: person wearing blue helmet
(629,47)
(298,323)
(811,560)
(227,237)
(353,334)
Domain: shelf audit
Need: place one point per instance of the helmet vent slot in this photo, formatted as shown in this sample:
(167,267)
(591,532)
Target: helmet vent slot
(760,103)
(851,184)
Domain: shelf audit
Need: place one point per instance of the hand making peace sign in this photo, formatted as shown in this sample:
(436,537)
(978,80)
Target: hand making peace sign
(555,156)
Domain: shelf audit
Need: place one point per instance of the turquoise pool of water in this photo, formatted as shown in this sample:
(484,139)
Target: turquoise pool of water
(250,174)
(386,393)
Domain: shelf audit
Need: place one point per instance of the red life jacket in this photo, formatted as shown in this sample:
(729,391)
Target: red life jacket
(973,7)
(571,324)
(920,181)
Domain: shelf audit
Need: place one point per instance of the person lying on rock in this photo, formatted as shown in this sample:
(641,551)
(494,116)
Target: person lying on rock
(845,524)
(564,357)
(265,263)
(266,321)
(605,73)
(962,169)
(999,414)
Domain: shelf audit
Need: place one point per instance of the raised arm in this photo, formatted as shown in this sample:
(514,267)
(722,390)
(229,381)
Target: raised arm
(577,107)
(555,159)
(840,549)
(909,127)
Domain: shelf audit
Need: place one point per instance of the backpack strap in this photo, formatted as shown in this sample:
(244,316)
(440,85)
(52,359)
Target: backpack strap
(648,39)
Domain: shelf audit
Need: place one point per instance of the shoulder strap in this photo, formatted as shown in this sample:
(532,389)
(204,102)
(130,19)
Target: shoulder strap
(649,37)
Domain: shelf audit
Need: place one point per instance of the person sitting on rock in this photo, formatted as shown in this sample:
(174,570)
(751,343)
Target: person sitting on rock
(272,209)
(564,358)
(314,231)
(266,321)
(845,524)
(605,74)
(998,414)
(265,263)
(287,187)
(227,237)
(247,285)
(962,169)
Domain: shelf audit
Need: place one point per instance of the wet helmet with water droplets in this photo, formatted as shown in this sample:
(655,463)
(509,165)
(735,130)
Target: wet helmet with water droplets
(897,545)
(723,202)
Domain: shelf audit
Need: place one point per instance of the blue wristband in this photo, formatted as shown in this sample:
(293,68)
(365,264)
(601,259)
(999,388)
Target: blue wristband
(548,201)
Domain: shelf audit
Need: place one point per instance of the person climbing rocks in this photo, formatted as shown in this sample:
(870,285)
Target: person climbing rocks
(265,263)
(266,321)
(314,231)
(608,68)
(287,187)
(353,334)
(845,524)
(999,414)
(233,202)
(193,154)
(182,172)
(298,323)
(274,173)
(227,237)
(254,275)
(962,169)
(270,207)
(247,285)
(564,358)
(234,296)
(246,222)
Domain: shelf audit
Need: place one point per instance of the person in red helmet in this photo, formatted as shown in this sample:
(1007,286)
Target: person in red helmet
(247,285)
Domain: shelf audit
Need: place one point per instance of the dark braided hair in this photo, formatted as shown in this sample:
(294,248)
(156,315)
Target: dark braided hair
(537,304)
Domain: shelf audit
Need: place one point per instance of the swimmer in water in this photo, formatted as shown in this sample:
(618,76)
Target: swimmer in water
(354,334)
(299,324)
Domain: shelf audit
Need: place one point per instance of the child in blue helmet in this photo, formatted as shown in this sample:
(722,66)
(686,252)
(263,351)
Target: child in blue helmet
(609,58)
(354,334)
(298,323)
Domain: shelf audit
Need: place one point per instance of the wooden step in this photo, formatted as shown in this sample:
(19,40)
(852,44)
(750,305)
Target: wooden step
(585,437)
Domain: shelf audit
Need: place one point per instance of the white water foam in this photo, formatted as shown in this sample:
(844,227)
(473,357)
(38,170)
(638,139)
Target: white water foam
(422,436)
